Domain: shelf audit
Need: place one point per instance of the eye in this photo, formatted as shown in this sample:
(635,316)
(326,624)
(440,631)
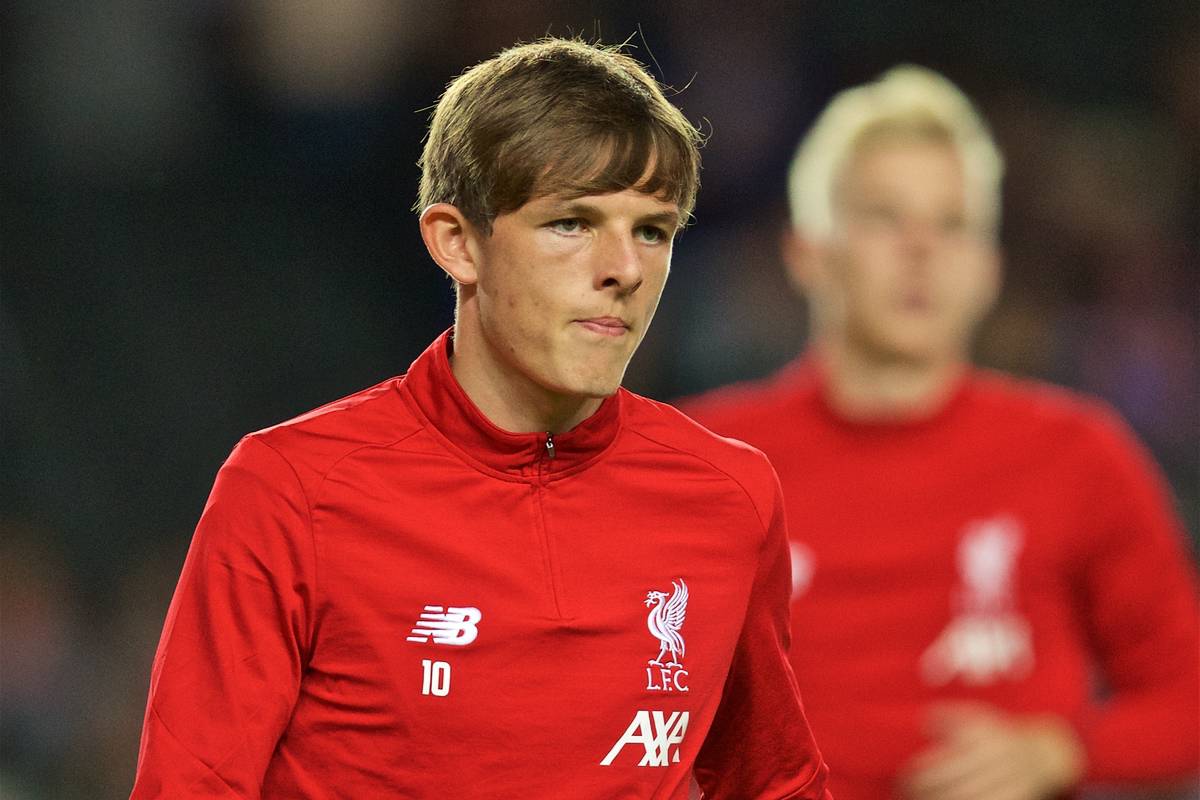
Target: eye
(954,223)
(882,214)
(652,234)
(567,226)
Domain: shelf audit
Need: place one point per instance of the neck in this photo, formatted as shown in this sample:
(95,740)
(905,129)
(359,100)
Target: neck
(509,399)
(868,387)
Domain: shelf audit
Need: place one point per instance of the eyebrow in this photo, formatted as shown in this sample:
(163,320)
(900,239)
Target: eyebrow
(584,209)
(669,218)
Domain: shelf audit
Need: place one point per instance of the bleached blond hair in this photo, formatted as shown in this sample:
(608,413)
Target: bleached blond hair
(905,103)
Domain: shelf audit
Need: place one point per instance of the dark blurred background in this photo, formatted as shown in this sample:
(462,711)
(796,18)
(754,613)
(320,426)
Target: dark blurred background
(206,229)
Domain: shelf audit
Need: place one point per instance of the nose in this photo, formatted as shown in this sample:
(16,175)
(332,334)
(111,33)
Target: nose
(619,263)
(919,239)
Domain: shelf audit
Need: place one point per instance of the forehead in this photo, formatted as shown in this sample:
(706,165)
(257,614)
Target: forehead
(906,167)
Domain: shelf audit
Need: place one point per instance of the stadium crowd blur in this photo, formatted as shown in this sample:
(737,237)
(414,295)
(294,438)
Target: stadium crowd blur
(207,229)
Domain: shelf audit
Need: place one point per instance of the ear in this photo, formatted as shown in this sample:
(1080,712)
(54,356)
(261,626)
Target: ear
(447,234)
(802,258)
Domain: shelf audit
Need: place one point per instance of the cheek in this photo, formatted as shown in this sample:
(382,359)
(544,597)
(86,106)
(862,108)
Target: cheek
(503,312)
(860,260)
(868,276)
(656,279)
(968,277)
(508,294)
(526,313)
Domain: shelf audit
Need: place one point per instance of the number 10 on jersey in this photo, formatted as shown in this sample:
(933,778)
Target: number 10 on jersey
(436,678)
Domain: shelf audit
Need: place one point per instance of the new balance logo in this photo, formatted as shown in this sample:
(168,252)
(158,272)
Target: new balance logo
(456,625)
(656,732)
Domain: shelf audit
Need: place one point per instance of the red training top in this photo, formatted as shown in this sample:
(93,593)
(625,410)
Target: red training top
(391,597)
(1017,548)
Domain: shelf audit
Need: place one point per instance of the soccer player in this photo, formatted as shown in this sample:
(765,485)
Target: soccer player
(499,575)
(992,599)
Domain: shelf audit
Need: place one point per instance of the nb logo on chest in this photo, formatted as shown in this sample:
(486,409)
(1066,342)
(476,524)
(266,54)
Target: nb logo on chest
(455,625)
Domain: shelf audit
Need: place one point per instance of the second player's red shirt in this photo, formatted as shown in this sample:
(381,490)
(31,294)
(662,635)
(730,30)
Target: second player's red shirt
(1016,548)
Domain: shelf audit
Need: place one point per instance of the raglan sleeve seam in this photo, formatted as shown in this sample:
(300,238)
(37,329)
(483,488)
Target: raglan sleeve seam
(764,523)
(312,539)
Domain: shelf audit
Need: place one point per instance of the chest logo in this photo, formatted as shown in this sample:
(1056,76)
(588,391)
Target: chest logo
(456,625)
(987,639)
(658,733)
(665,621)
(804,564)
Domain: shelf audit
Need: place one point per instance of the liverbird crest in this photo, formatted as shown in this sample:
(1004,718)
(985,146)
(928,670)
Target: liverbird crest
(665,620)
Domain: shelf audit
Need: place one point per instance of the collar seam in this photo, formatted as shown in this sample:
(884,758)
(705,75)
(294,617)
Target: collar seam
(449,445)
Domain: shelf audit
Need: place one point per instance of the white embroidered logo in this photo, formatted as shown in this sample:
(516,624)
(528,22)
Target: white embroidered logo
(804,564)
(664,622)
(656,732)
(455,625)
(987,640)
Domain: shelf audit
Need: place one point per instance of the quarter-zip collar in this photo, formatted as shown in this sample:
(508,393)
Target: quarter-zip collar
(435,394)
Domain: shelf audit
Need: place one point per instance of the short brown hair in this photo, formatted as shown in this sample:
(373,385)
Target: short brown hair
(557,116)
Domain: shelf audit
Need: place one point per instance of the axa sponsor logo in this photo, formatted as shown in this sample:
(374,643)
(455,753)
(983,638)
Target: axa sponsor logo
(665,621)
(657,733)
(456,625)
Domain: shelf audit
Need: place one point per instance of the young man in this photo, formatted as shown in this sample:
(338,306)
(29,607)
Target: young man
(977,558)
(499,575)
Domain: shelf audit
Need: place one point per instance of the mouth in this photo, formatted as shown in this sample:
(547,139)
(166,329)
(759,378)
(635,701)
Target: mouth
(916,303)
(605,326)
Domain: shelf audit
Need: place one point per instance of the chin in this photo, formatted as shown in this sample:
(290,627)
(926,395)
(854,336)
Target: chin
(594,386)
(600,390)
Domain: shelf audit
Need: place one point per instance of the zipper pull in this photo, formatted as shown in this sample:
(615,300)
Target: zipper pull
(549,445)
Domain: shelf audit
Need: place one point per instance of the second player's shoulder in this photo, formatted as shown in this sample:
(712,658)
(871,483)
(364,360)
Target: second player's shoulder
(1052,414)
(748,408)
(1032,400)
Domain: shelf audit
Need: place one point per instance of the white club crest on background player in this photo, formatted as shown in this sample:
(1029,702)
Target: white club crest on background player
(665,621)
(987,559)
(804,564)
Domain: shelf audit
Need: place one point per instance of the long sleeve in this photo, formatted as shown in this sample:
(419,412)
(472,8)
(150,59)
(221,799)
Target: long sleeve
(760,745)
(1139,600)
(227,671)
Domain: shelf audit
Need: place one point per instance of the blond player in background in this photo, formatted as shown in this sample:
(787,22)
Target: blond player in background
(992,598)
